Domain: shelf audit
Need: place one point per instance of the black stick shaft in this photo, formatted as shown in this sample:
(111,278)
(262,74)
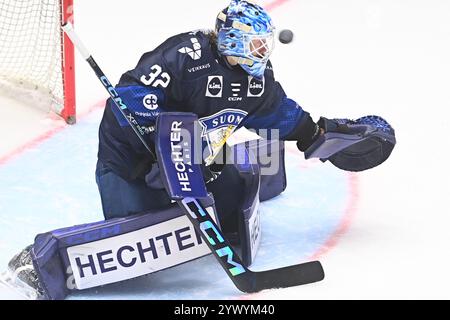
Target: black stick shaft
(121,106)
(117,100)
(243,278)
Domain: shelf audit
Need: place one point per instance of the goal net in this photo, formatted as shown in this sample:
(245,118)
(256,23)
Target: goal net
(36,58)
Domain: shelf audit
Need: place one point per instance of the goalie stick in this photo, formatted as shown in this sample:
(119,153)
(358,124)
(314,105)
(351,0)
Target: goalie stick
(243,278)
(118,102)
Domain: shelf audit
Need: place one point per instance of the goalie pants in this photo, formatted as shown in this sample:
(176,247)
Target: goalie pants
(121,198)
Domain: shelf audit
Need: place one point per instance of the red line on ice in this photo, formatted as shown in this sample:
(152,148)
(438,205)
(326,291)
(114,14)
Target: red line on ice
(349,215)
(346,221)
(275,4)
(58,127)
(353,184)
(30,144)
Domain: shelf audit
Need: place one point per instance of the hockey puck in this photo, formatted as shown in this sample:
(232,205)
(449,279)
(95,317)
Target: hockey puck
(286,36)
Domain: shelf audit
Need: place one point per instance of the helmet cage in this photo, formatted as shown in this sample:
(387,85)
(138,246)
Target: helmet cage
(259,47)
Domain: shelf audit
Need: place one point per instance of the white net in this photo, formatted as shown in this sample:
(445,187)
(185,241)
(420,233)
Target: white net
(30,52)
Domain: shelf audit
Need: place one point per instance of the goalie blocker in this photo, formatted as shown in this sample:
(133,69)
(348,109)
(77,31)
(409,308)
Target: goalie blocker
(91,255)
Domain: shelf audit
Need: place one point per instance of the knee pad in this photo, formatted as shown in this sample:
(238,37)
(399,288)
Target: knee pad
(256,173)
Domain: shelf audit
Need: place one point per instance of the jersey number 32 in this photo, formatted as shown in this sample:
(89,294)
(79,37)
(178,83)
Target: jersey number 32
(156,77)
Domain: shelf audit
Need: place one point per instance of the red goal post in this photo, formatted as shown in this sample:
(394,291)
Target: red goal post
(68,66)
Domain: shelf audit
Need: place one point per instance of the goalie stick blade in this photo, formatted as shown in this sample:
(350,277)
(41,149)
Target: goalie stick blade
(244,279)
(290,276)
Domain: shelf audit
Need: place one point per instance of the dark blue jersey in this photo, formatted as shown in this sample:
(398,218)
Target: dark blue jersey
(186,74)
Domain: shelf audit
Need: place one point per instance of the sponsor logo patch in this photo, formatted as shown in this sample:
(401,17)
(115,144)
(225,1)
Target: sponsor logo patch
(151,102)
(255,87)
(136,253)
(198,68)
(195,52)
(236,90)
(214,87)
(217,128)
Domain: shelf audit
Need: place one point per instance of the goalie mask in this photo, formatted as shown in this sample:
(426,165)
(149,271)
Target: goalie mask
(245,33)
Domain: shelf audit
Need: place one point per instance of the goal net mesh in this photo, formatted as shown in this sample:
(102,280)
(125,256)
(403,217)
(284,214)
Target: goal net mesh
(31,52)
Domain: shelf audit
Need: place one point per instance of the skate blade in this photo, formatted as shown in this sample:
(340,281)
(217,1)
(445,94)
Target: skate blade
(15,289)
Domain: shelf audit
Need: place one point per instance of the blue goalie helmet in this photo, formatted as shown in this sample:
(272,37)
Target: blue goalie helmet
(245,34)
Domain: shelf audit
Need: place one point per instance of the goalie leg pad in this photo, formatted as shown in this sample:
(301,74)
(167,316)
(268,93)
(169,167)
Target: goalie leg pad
(270,155)
(257,173)
(247,167)
(354,145)
(237,195)
(249,221)
(106,252)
